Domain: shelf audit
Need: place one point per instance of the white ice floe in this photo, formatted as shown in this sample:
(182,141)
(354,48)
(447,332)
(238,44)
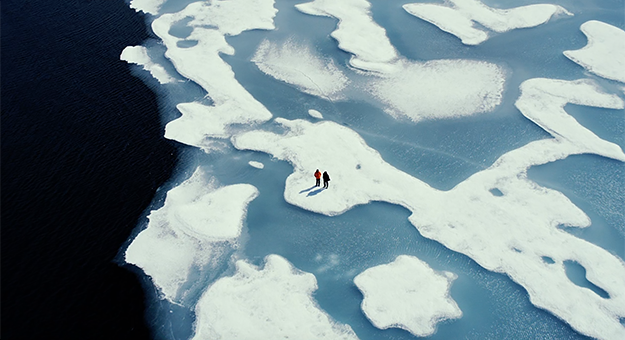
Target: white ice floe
(501,219)
(274,302)
(604,55)
(197,226)
(407,294)
(200,62)
(459,19)
(257,165)
(147,6)
(439,89)
(297,65)
(139,55)
(315,114)
(356,33)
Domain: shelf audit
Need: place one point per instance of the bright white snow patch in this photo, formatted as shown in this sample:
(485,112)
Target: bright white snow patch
(202,63)
(297,65)
(274,302)
(408,294)
(189,235)
(315,114)
(604,55)
(440,89)
(147,6)
(139,55)
(507,233)
(356,33)
(257,165)
(460,17)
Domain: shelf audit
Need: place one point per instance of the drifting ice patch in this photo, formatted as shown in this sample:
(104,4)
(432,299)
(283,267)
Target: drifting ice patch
(315,114)
(139,55)
(407,294)
(604,55)
(274,302)
(202,64)
(198,225)
(257,165)
(298,65)
(509,234)
(356,32)
(460,17)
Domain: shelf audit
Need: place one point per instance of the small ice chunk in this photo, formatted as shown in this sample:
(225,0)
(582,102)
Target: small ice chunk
(139,55)
(408,294)
(257,165)
(297,65)
(198,224)
(604,55)
(315,114)
(460,17)
(274,302)
(356,32)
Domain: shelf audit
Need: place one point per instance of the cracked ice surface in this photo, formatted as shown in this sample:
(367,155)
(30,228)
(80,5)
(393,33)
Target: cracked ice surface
(197,228)
(408,294)
(297,65)
(273,302)
(509,233)
(604,55)
(459,19)
(202,64)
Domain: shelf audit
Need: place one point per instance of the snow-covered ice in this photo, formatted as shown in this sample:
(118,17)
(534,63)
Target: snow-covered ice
(315,114)
(195,230)
(408,294)
(273,302)
(139,55)
(604,55)
(147,6)
(459,19)
(297,65)
(507,233)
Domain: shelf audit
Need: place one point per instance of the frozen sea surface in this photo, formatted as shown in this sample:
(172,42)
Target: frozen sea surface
(479,144)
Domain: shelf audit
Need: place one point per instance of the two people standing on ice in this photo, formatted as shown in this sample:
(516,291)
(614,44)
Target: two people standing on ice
(326,178)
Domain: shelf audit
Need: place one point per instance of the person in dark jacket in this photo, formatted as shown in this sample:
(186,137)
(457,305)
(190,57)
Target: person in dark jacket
(326,179)
(317,177)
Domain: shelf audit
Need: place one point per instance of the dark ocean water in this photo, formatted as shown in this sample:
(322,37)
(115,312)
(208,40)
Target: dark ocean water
(82,158)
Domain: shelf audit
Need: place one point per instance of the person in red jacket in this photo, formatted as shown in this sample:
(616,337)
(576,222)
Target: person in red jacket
(318,178)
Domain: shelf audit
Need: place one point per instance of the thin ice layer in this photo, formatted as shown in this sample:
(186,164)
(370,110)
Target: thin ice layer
(196,57)
(297,65)
(274,302)
(139,55)
(407,294)
(604,55)
(508,233)
(198,226)
(460,18)
(435,89)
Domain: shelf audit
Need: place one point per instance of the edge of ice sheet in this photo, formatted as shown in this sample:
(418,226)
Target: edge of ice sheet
(201,63)
(196,227)
(458,19)
(273,302)
(510,233)
(356,32)
(407,294)
(139,55)
(147,6)
(298,65)
(604,54)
